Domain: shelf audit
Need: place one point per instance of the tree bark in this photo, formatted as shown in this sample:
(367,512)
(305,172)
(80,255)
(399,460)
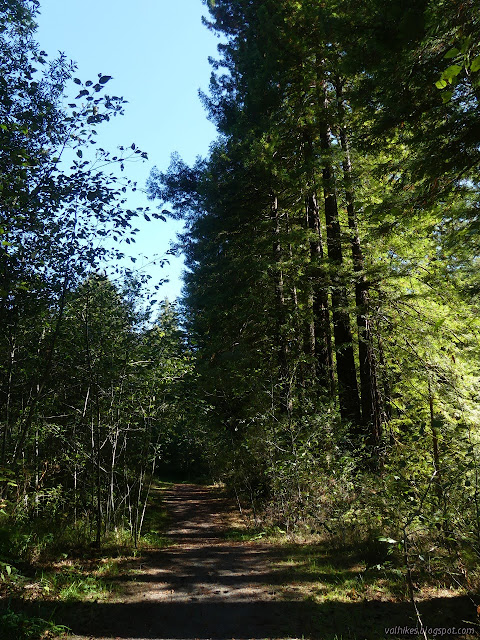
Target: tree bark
(346,370)
(320,332)
(370,396)
(280,315)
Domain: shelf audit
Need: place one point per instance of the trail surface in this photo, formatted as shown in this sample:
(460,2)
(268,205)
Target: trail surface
(205,587)
(202,586)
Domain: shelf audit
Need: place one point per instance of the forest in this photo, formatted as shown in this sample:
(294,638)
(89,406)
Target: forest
(323,362)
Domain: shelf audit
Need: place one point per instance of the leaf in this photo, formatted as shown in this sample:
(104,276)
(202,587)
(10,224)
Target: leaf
(452,53)
(441,84)
(80,153)
(466,44)
(77,81)
(447,96)
(104,79)
(475,65)
(451,72)
(147,218)
(387,540)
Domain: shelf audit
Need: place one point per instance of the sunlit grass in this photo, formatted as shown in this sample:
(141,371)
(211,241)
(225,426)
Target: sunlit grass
(341,576)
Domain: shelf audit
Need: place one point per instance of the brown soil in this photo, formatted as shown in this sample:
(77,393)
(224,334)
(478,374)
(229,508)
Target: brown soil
(205,587)
(202,586)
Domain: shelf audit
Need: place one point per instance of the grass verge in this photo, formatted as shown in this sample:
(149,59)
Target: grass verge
(38,567)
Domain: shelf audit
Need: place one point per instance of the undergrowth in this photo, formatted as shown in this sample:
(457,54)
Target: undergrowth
(56,563)
(346,570)
(18,626)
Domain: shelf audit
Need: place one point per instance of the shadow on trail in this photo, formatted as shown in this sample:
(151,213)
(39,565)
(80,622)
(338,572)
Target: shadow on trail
(224,619)
(206,587)
(196,513)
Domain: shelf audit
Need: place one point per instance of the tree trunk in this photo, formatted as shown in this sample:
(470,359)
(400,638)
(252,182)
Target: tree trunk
(280,315)
(320,333)
(370,396)
(346,370)
(6,428)
(95,422)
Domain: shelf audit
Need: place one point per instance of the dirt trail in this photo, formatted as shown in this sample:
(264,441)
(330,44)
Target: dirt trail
(205,587)
(201,587)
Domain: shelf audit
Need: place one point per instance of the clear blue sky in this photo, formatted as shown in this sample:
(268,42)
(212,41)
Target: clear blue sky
(157,52)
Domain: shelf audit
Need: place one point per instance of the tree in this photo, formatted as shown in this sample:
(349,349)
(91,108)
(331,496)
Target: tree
(66,383)
(318,234)
(287,134)
(55,202)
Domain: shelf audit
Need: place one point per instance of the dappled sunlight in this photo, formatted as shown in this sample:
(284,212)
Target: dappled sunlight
(206,586)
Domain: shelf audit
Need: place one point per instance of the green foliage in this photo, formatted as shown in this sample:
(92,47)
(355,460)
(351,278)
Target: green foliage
(332,232)
(89,380)
(73,585)
(18,626)
(324,363)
